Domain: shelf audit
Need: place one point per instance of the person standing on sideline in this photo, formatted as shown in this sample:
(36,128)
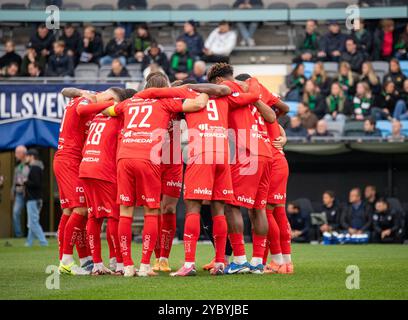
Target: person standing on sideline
(33,186)
(17,190)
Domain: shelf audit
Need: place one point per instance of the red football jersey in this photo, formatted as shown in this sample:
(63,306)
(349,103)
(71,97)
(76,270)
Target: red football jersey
(273,128)
(145,126)
(248,125)
(100,149)
(73,130)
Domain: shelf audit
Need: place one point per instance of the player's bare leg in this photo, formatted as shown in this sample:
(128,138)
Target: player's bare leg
(167,231)
(75,234)
(220,232)
(259,224)
(236,237)
(149,238)
(125,236)
(191,235)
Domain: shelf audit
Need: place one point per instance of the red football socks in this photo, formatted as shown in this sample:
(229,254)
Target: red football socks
(112,234)
(168,230)
(258,245)
(61,232)
(157,247)
(237,244)
(75,234)
(273,234)
(281,219)
(191,235)
(220,237)
(94,238)
(149,237)
(125,239)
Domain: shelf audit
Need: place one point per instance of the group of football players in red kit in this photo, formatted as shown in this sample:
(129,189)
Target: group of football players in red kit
(119,149)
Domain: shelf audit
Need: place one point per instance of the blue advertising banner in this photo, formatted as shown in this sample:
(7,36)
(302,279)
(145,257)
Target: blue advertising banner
(31,114)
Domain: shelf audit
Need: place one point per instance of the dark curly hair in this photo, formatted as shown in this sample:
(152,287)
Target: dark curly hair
(219,70)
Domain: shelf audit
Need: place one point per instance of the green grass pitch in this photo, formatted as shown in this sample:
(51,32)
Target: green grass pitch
(320,273)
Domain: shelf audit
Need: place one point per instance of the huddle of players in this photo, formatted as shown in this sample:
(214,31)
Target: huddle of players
(126,144)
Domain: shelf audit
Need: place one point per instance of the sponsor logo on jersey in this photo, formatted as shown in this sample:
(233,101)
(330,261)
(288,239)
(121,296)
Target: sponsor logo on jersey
(244,199)
(204,191)
(172,183)
(279,196)
(124,198)
(227,191)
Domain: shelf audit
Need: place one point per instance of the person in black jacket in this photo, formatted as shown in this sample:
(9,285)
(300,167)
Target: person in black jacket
(154,55)
(386,223)
(10,55)
(332,211)
(117,48)
(395,75)
(332,43)
(307,45)
(356,216)
(91,46)
(353,56)
(118,71)
(72,40)
(384,103)
(139,42)
(194,40)
(60,64)
(42,40)
(299,222)
(364,39)
(295,81)
(33,191)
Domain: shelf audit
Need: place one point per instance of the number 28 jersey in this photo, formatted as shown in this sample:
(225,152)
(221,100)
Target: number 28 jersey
(100,148)
(145,126)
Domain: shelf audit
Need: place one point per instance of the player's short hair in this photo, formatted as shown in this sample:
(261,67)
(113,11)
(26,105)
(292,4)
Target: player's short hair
(129,93)
(119,93)
(220,69)
(156,80)
(243,77)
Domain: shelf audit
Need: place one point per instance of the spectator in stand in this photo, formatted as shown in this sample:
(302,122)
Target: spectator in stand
(42,40)
(118,70)
(299,223)
(384,104)
(194,40)
(117,48)
(34,70)
(60,64)
(370,130)
(356,216)
(395,75)
(321,79)
(11,70)
(332,43)
(21,171)
(307,45)
(370,196)
(155,55)
(313,98)
(335,104)
(321,129)
(32,56)
(308,118)
(386,223)
(396,134)
(181,63)
(353,56)
(296,129)
(140,41)
(247,30)
(401,47)
(401,110)
(10,55)
(362,103)
(220,43)
(295,82)
(91,47)
(347,79)
(72,40)
(33,195)
(368,75)
(384,40)
(364,39)
(332,211)
(199,72)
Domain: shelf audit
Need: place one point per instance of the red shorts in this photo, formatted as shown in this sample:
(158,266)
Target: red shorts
(139,183)
(101,198)
(171,179)
(279,181)
(251,182)
(71,189)
(208,182)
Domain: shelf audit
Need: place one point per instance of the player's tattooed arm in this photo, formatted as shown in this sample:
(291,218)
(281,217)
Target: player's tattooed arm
(266,112)
(210,89)
(193,105)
